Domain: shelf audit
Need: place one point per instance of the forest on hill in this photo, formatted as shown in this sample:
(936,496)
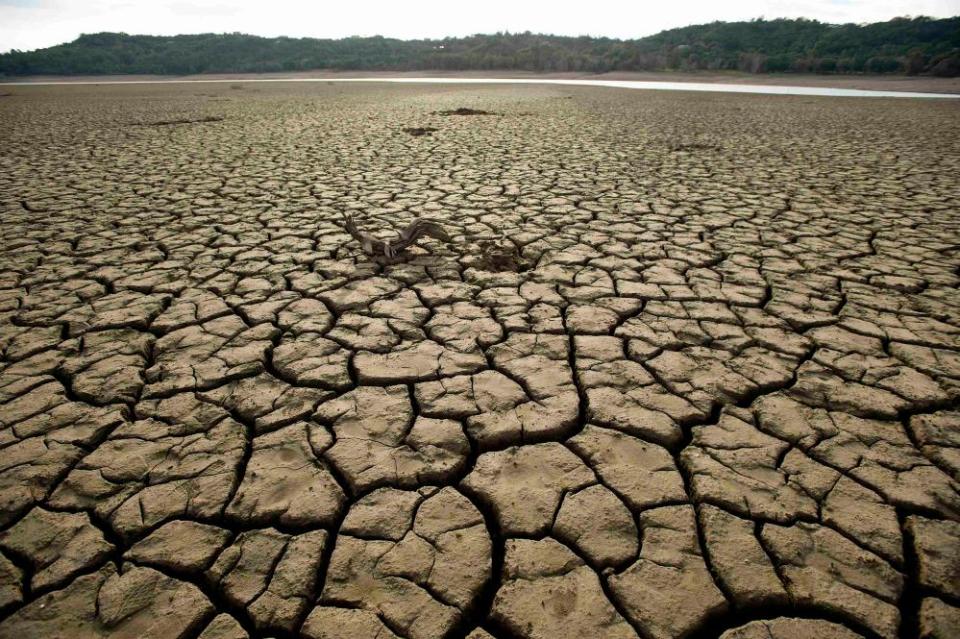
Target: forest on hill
(904,46)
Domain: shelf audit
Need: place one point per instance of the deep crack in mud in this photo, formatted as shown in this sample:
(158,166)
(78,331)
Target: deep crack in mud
(688,367)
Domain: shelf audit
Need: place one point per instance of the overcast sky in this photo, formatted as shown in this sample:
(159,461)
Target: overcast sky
(32,24)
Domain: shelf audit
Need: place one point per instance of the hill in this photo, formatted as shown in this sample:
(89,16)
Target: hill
(903,45)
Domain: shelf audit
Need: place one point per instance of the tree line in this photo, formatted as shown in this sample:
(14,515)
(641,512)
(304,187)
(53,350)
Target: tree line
(911,46)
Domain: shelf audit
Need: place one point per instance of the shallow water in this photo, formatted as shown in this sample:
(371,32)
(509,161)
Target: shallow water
(710,87)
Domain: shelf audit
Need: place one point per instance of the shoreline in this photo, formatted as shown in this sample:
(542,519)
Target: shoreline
(859,82)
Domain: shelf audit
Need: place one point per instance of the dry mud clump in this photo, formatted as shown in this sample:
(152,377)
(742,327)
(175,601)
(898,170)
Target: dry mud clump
(644,391)
(207,118)
(497,256)
(465,111)
(420,130)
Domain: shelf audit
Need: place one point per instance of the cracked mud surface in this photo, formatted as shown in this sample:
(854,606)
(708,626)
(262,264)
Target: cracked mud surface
(690,367)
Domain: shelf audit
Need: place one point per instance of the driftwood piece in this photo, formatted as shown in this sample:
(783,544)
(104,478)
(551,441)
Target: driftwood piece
(391,248)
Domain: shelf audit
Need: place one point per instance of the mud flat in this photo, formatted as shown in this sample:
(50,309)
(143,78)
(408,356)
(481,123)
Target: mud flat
(690,366)
(922,84)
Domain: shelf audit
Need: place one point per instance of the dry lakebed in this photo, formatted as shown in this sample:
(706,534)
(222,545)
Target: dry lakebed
(688,365)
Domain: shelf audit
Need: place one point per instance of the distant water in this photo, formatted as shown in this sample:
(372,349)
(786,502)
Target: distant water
(711,87)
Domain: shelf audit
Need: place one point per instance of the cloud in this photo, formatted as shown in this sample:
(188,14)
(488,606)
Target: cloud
(31,24)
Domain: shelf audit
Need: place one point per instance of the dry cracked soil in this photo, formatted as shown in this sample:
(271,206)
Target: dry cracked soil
(690,366)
